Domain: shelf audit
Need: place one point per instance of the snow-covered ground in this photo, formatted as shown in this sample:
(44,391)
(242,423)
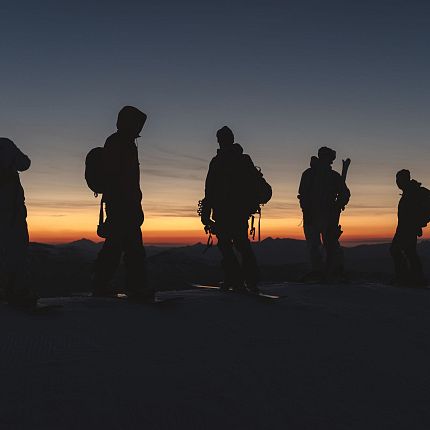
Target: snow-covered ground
(326,357)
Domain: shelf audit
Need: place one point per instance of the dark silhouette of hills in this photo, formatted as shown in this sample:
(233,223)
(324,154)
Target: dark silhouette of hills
(66,268)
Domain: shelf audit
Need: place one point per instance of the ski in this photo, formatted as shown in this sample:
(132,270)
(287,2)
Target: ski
(260,295)
(124,297)
(155,301)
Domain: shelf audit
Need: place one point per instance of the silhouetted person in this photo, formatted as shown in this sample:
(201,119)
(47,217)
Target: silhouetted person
(323,194)
(230,200)
(13,225)
(123,209)
(410,216)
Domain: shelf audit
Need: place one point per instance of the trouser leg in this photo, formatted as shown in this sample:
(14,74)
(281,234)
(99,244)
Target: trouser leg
(250,272)
(415,266)
(415,273)
(334,254)
(107,262)
(16,248)
(229,262)
(17,285)
(399,260)
(135,262)
(15,251)
(313,241)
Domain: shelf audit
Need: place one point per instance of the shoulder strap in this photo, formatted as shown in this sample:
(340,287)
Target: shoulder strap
(101,213)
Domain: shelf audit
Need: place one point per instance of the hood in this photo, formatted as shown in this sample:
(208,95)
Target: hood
(412,187)
(130,119)
(415,184)
(230,150)
(317,165)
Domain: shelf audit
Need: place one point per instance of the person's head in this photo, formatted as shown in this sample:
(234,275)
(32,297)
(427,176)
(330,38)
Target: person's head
(326,155)
(403,178)
(131,121)
(225,136)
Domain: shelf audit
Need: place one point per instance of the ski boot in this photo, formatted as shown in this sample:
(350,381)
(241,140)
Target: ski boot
(253,288)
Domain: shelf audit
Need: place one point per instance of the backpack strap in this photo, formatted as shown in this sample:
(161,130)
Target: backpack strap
(101,213)
(210,241)
(259,224)
(252,229)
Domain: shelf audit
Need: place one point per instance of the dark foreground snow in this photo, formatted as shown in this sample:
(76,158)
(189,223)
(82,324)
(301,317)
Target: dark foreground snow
(328,357)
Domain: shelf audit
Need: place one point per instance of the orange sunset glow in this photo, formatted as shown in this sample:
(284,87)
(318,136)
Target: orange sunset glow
(67,226)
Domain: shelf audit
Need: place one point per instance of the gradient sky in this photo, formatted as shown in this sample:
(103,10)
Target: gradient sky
(286,76)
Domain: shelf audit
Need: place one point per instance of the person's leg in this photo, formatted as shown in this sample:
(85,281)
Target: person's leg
(313,241)
(401,265)
(18,282)
(136,282)
(229,262)
(334,253)
(250,272)
(415,270)
(107,263)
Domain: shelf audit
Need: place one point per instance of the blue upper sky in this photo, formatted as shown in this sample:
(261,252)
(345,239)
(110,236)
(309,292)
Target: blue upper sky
(286,76)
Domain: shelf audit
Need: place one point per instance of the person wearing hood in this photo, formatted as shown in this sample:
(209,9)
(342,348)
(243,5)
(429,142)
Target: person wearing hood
(13,226)
(229,201)
(124,212)
(407,263)
(323,194)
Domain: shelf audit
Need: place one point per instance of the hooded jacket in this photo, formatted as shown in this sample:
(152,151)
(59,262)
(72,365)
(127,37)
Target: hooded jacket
(322,191)
(123,195)
(230,183)
(410,207)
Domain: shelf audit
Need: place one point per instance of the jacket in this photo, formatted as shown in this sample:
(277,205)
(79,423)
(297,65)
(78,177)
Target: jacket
(230,184)
(123,195)
(322,192)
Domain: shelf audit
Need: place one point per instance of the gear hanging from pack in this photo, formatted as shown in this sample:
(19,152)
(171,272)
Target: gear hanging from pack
(253,229)
(210,240)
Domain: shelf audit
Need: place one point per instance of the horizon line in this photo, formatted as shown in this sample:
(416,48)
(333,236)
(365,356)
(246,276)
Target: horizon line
(347,243)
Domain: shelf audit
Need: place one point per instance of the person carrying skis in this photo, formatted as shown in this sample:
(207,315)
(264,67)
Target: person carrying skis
(323,194)
(122,196)
(413,214)
(13,226)
(229,201)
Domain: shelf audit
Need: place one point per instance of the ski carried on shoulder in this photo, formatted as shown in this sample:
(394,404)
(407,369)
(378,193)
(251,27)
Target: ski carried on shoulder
(246,293)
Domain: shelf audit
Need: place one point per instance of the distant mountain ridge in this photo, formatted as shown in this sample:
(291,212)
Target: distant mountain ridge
(65,268)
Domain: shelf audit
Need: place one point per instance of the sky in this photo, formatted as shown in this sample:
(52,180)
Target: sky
(286,76)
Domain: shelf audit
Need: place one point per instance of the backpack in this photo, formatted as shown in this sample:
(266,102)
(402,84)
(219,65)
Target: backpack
(95,172)
(424,207)
(263,193)
(95,176)
(263,190)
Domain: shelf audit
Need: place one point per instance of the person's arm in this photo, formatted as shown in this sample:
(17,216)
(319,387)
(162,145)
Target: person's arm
(304,187)
(21,162)
(112,157)
(210,185)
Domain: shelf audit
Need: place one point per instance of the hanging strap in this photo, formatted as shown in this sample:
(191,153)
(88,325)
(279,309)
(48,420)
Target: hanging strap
(210,241)
(101,213)
(252,229)
(259,225)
